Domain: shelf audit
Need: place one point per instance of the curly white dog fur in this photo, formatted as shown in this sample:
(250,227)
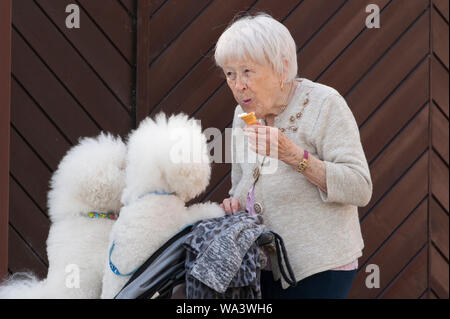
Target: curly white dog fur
(164,155)
(90,178)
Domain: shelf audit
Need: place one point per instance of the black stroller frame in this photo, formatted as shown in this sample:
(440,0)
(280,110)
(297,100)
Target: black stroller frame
(165,268)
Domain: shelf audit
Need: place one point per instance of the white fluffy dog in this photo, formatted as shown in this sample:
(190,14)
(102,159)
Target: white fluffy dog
(167,165)
(89,180)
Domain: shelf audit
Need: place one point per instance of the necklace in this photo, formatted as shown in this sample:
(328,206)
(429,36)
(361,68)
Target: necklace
(293,126)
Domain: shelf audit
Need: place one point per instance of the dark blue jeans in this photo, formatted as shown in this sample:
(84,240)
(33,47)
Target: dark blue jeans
(331,284)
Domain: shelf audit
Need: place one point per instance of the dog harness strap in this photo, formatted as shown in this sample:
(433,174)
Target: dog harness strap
(114,268)
(111,265)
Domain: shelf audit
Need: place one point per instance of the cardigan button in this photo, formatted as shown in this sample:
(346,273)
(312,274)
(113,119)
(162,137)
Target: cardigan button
(258,208)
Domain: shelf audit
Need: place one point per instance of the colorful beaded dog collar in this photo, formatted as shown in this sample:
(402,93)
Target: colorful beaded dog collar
(109,215)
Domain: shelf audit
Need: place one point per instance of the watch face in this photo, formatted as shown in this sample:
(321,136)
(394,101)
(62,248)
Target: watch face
(302,165)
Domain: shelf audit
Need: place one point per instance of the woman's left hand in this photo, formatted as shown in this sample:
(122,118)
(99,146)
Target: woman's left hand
(270,141)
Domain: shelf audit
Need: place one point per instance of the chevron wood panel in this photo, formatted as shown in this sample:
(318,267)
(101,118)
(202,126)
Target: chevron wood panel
(439,172)
(65,84)
(395,80)
(394,208)
(24,210)
(412,282)
(22,257)
(439,226)
(396,254)
(75,70)
(5,117)
(117,30)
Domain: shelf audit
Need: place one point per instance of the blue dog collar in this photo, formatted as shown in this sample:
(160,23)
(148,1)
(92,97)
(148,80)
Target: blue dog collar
(157,193)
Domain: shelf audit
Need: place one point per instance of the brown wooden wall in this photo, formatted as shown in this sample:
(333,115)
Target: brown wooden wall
(5,101)
(439,147)
(71,83)
(395,80)
(66,83)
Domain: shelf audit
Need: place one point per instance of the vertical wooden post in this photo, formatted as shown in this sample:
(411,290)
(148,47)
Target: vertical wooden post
(5,103)
(143,59)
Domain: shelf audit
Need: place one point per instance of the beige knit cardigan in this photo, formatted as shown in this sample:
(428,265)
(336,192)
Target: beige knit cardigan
(321,230)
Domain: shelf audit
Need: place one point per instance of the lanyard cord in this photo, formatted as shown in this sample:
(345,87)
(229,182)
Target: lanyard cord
(260,169)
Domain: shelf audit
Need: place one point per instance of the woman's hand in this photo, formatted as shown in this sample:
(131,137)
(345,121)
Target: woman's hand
(270,141)
(231,205)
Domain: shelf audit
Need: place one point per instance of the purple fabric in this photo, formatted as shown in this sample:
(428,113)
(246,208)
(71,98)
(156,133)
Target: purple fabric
(251,201)
(251,211)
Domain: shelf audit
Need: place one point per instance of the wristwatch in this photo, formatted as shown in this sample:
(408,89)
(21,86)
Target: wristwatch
(304,163)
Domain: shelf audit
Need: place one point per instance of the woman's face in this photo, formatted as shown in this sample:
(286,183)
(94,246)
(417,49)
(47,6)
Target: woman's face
(255,86)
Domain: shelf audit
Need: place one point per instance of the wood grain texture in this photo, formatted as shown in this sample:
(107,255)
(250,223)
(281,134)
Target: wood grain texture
(5,111)
(22,258)
(23,209)
(439,227)
(70,67)
(439,180)
(131,59)
(439,172)
(65,84)
(403,151)
(393,81)
(395,254)
(412,282)
(439,274)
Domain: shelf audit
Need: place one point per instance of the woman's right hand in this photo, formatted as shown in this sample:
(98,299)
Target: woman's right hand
(231,205)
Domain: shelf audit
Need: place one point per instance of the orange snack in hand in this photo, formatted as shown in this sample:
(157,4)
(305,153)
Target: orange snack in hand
(249,118)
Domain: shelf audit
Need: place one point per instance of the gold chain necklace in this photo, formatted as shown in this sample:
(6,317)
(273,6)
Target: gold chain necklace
(296,117)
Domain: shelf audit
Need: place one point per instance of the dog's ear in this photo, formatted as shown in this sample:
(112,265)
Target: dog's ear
(187,170)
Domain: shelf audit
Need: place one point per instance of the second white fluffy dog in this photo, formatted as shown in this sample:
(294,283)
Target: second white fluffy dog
(167,165)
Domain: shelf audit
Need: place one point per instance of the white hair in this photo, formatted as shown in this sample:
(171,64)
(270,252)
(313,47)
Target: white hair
(261,39)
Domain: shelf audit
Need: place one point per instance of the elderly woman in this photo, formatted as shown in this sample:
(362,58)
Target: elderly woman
(321,176)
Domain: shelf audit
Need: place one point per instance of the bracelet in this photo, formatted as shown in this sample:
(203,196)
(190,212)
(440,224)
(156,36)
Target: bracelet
(304,163)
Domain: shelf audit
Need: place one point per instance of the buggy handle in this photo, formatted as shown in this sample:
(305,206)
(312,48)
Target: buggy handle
(270,238)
